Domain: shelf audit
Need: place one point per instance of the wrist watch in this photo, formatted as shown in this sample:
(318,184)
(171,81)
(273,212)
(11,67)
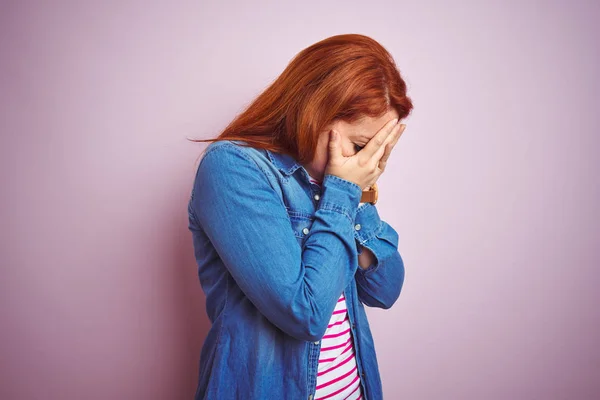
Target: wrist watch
(370,196)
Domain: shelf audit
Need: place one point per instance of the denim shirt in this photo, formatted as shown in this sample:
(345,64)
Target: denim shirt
(274,252)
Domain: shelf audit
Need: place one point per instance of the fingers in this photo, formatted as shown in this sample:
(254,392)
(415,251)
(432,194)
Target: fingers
(384,158)
(401,131)
(379,139)
(334,145)
(390,145)
(385,148)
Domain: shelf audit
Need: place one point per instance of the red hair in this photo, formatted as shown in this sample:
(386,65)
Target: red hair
(342,77)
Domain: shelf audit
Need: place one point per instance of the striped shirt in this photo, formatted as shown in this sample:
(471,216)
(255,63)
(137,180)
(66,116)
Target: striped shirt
(337,374)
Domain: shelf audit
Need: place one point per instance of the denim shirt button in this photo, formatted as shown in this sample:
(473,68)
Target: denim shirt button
(317,197)
(316,342)
(357,227)
(310,397)
(305,231)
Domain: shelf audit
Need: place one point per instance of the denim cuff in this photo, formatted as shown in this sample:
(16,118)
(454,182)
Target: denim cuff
(340,195)
(370,223)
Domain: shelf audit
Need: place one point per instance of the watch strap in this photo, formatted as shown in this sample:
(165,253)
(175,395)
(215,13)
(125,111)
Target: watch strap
(370,196)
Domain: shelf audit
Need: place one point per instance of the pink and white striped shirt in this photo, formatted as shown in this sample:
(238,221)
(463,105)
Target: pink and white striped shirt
(337,374)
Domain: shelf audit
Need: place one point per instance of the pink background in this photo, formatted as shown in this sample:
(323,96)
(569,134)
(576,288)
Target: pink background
(494,190)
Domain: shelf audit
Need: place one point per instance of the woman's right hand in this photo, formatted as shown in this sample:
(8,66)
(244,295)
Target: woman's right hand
(363,168)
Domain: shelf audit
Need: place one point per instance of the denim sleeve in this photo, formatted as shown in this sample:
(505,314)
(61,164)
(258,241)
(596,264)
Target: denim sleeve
(378,285)
(244,217)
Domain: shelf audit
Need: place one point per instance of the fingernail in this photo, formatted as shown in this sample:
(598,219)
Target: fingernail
(394,121)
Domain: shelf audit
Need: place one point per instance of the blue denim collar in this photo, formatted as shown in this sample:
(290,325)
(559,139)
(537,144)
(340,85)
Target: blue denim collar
(284,162)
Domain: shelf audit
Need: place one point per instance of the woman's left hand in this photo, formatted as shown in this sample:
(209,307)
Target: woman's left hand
(389,147)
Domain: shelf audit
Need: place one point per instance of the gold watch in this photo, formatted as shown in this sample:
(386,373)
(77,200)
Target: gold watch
(370,196)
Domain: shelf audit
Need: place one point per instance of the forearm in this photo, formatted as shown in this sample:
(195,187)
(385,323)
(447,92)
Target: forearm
(381,274)
(366,257)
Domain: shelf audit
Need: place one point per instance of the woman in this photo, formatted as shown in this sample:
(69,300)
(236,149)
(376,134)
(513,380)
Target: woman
(287,253)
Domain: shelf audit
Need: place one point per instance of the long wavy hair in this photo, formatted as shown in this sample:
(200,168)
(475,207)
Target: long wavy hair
(343,77)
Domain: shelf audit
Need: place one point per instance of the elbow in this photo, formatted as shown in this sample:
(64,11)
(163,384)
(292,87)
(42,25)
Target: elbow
(309,326)
(303,317)
(314,328)
(307,332)
(388,301)
(313,336)
(386,304)
(385,299)
(397,283)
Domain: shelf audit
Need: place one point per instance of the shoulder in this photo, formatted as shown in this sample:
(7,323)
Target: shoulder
(234,158)
(229,168)
(226,149)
